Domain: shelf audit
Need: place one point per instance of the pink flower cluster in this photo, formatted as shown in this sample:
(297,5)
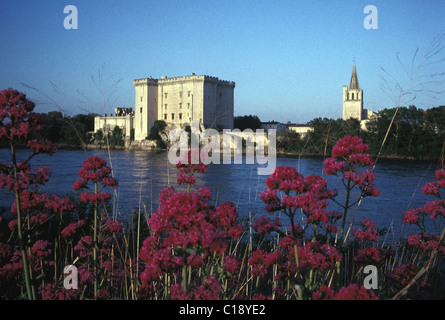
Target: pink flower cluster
(433,209)
(25,177)
(426,242)
(367,233)
(308,194)
(188,232)
(401,276)
(312,256)
(72,228)
(95,169)
(189,166)
(208,290)
(51,291)
(265,225)
(372,255)
(40,146)
(349,155)
(351,292)
(17,120)
(39,258)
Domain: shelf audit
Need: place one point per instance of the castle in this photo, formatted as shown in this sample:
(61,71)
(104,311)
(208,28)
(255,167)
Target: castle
(208,100)
(353,101)
(178,101)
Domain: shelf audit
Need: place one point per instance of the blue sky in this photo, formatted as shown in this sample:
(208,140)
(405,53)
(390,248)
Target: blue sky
(289,59)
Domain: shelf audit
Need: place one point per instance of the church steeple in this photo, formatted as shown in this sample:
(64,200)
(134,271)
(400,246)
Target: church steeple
(353,99)
(353,84)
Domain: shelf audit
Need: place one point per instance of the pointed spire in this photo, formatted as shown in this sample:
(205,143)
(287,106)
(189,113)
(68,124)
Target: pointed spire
(354,80)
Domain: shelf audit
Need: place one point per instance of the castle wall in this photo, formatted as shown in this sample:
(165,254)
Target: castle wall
(107,124)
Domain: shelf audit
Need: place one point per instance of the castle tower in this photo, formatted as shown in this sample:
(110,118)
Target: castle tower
(180,100)
(145,106)
(353,99)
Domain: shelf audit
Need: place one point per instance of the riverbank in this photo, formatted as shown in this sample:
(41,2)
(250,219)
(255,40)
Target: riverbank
(148,145)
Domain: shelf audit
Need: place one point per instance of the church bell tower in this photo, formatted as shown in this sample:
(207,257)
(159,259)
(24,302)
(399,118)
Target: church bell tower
(353,99)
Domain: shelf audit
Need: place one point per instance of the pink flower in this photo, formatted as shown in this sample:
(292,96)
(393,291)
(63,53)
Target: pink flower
(257,261)
(189,166)
(113,226)
(351,292)
(367,232)
(80,184)
(42,146)
(411,216)
(72,228)
(50,291)
(16,116)
(425,242)
(231,264)
(401,276)
(264,225)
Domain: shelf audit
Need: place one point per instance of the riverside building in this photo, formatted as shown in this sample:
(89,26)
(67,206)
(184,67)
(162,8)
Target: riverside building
(353,101)
(178,101)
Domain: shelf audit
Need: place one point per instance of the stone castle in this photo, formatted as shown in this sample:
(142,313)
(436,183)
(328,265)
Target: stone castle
(208,100)
(178,101)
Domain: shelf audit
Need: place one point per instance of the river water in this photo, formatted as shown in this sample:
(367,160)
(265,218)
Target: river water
(142,174)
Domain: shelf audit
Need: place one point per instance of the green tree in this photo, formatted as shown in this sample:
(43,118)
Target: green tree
(156,133)
(157,130)
(247,122)
(52,129)
(116,138)
(289,141)
(98,137)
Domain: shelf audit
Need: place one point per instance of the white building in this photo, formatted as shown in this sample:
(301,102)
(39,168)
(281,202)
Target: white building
(177,101)
(180,100)
(280,127)
(123,119)
(301,129)
(353,101)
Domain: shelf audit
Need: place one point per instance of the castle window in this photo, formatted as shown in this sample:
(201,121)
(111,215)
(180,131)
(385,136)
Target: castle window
(188,105)
(141,98)
(180,94)
(165,116)
(180,116)
(141,110)
(173,116)
(352,96)
(188,93)
(165,95)
(180,106)
(165,106)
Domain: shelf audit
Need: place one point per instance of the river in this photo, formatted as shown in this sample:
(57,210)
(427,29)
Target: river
(143,174)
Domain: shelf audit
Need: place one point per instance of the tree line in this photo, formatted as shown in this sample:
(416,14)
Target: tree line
(414,133)
(76,131)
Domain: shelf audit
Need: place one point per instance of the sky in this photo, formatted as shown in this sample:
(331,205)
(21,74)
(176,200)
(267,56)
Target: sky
(289,59)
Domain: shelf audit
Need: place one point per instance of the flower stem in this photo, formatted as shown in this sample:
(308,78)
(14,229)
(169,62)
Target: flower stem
(95,243)
(26,270)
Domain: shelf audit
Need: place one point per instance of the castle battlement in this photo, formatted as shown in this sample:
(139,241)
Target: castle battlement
(193,76)
(145,81)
